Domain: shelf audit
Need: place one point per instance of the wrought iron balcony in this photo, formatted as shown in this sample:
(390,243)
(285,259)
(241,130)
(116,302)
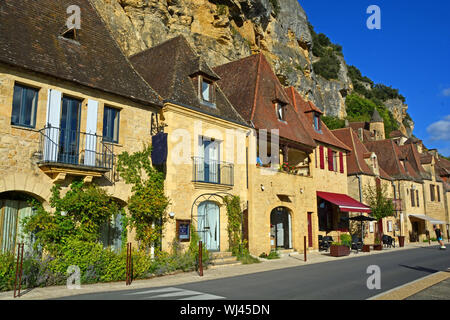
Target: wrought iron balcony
(211,171)
(74,149)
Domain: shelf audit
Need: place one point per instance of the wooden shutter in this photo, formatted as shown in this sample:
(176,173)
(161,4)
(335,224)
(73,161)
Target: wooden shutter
(322,159)
(51,138)
(330,159)
(438,193)
(91,130)
(341,162)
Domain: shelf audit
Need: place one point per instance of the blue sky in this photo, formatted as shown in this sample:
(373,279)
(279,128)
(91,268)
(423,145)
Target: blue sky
(411,52)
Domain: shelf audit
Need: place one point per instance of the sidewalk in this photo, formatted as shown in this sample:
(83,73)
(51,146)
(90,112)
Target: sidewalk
(288,261)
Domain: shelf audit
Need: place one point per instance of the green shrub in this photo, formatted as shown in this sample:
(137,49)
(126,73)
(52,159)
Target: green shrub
(246,258)
(328,66)
(346,240)
(333,123)
(7,271)
(272,255)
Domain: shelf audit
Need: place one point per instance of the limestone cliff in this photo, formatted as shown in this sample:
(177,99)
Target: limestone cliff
(227,30)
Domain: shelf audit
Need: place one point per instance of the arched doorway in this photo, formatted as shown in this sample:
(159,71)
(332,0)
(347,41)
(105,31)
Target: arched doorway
(208,227)
(281,228)
(15,207)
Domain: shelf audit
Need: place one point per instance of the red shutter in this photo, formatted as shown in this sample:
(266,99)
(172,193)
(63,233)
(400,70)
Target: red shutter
(341,161)
(322,161)
(330,159)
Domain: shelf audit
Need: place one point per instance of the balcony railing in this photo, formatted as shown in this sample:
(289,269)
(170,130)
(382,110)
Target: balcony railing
(211,171)
(68,147)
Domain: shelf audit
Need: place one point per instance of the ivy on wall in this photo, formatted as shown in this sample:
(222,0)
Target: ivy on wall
(148,203)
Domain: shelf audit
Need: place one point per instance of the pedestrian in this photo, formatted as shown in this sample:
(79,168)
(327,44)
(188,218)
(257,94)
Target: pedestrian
(439,236)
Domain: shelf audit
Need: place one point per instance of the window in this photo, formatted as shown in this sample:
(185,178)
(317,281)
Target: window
(281,112)
(332,160)
(438,194)
(24,106)
(317,123)
(417,198)
(412,193)
(111,125)
(432,192)
(335,162)
(206,91)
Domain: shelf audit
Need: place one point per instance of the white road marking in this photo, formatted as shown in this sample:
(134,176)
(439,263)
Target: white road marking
(173,292)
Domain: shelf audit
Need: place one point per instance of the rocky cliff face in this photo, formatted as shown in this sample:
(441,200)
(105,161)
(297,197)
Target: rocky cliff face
(227,30)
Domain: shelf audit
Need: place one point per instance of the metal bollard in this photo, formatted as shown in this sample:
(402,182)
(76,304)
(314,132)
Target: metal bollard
(304,247)
(19,269)
(200,263)
(129,265)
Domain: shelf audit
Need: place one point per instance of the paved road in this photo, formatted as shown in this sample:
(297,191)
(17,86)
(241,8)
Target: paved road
(342,279)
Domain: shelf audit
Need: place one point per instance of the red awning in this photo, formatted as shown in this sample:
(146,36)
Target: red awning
(344,202)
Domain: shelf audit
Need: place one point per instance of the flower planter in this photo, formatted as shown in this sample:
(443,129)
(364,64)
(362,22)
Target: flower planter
(378,247)
(339,251)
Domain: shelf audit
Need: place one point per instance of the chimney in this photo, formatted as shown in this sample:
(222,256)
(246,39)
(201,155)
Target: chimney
(347,124)
(434,152)
(360,134)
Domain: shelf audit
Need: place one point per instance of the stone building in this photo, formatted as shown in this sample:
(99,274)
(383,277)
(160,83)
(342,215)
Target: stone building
(207,146)
(70,101)
(364,173)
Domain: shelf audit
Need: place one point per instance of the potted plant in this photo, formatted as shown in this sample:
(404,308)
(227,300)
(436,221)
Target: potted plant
(378,246)
(342,248)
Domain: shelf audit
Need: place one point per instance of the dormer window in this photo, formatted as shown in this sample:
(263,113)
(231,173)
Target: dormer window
(317,123)
(281,111)
(207,91)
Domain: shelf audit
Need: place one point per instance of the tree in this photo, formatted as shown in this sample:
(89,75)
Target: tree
(148,203)
(378,201)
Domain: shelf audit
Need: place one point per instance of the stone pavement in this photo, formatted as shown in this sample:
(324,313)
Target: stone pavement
(287,261)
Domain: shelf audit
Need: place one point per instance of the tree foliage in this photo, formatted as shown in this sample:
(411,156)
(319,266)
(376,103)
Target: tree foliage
(234,227)
(377,199)
(148,203)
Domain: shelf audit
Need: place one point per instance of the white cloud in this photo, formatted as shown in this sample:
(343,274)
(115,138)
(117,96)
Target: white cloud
(446,92)
(440,130)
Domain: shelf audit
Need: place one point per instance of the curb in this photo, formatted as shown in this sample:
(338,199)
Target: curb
(404,291)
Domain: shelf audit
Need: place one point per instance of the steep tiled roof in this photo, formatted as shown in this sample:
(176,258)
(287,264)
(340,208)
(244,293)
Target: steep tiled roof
(389,156)
(396,134)
(252,87)
(30,38)
(170,67)
(304,110)
(376,116)
(355,160)
(412,156)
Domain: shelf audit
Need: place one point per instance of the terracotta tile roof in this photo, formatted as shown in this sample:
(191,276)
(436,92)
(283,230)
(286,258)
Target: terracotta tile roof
(396,134)
(355,159)
(389,157)
(358,125)
(413,158)
(171,67)
(252,87)
(304,110)
(30,38)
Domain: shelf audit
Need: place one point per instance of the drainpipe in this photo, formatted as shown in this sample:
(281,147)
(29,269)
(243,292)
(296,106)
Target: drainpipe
(360,200)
